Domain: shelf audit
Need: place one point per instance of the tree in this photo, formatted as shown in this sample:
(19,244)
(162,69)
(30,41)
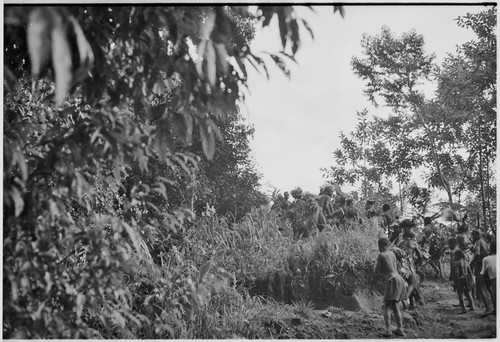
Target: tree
(352,159)
(393,69)
(230,182)
(376,151)
(467,89)
(93,97)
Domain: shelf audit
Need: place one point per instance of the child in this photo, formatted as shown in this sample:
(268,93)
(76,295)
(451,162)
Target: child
(395,288)
(462,280)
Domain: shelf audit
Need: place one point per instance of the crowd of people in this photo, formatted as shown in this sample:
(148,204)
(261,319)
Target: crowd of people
(310,213)
(406,247)
(472,267)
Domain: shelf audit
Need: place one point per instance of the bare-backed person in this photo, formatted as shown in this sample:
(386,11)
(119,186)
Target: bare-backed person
(395,287)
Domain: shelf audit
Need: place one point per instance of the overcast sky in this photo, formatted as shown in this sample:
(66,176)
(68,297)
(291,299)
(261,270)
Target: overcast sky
(297,122)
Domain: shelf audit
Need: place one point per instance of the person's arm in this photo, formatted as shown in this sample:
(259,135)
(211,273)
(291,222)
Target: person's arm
(417,251)
(376,269)
(483,267)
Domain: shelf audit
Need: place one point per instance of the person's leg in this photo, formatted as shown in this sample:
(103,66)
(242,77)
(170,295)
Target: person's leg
(440,267)
(412,283)
(494,294)
(396,307)
(471,301)
(461,300)
(432,262)
(481,289)
(387,316)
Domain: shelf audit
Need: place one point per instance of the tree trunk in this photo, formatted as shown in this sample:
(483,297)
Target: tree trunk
(400,198)
(481,181)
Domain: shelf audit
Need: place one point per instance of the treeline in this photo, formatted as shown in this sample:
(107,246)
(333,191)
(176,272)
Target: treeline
(450,138)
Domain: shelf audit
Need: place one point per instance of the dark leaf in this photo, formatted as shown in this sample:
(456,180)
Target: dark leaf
(164,143)
(207,138)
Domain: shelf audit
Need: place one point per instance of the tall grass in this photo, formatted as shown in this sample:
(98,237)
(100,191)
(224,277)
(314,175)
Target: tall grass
(262,248)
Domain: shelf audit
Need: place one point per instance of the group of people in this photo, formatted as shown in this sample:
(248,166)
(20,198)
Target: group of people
(308,212)
(472,270)
(402,255)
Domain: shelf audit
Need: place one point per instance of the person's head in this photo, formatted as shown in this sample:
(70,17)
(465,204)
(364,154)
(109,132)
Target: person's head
(383,244)
(458,254)
(452,243)
(493,247)
(280,196)
(369,204)
(297,193)
(427,220)
(286,195)
(340,200)
(407,224)
(461,241)
(462,228)
(409,235)
(328,190)
(386,207)
(476,235)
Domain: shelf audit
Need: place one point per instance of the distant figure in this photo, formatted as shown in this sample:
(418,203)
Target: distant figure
(297,195)
(480,251)
(463,282)
(351,213)
(436,246)
(410,246)
(489,273)
(387,219)
(452,246)
(277,203)
(370,211)
(325,203)
(285,204)
(463,241)
(372,218)
(395,290)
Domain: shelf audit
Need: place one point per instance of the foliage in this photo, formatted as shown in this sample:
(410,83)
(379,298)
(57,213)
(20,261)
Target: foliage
(467,89)
(230,182)
(393,68)
(92,230)
(419,198)
(377,151)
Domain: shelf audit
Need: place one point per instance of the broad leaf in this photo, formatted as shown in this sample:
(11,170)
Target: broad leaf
(210,63)
(61,60)
(38,39)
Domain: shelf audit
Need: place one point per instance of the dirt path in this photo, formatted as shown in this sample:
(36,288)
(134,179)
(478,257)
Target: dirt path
(437,319)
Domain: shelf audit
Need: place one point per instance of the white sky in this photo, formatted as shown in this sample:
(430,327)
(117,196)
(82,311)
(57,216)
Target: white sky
(297,122)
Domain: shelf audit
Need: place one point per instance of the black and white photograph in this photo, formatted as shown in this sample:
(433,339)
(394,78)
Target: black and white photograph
(249,170)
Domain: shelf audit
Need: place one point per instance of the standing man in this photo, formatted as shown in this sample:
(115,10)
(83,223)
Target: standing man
(480,251)
(325,203)
(410,246)
(395,289)
(387,221)
(489,272)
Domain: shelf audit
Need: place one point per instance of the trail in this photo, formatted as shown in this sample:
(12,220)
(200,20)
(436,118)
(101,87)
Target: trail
(437,319)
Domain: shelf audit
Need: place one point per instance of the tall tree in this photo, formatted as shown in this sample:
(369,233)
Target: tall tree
(394,68)
(352,160)
(467,88)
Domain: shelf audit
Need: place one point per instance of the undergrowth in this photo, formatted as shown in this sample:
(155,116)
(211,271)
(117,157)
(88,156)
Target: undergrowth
(263,265)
